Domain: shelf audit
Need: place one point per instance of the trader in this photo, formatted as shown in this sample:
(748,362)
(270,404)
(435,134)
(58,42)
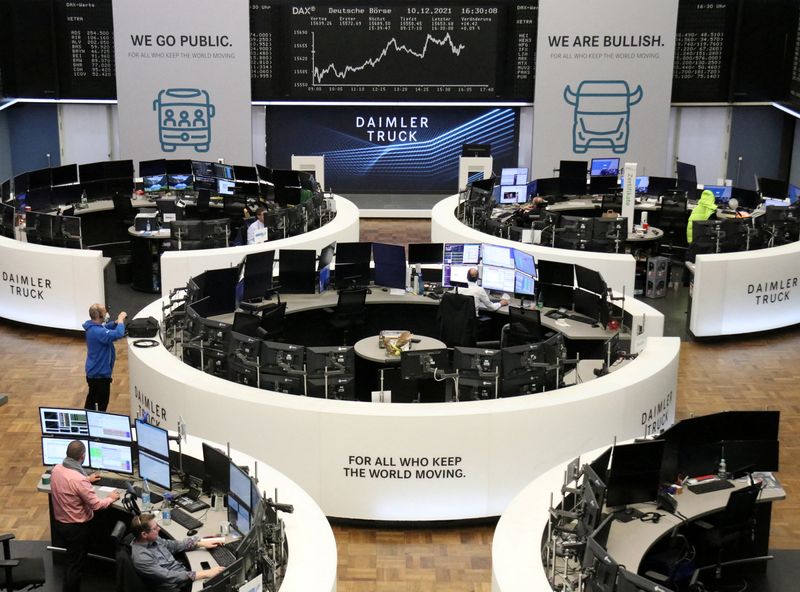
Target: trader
(482,301)
(74,503)
(256,226)
(153,557)
(100,354)
(705,208)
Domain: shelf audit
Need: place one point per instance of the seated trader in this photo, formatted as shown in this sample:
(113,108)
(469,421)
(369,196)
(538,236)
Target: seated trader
(154,560)
(256,226)
(74,504)
(705,208)
(482,301)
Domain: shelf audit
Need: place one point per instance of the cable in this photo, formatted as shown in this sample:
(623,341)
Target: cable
(145,343)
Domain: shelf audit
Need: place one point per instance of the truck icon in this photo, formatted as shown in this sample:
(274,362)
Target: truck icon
(184,118)
(602,113)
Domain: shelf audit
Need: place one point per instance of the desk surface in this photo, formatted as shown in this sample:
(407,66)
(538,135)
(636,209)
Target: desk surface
(368,349)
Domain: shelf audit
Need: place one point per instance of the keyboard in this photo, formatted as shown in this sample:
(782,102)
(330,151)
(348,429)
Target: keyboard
(581,319)
(186,520)
(223,555)
(112,482)
(709,486)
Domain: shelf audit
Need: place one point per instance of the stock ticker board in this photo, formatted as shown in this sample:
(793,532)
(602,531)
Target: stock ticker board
(414,51)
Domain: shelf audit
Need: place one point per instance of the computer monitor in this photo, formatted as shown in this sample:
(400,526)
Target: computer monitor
(573,169)
(245,173)
(217,470)
(280,358)
(153,183)
(54,450)
(239,483)
(524,285)
(152,438)
(355,259)
(154,469)
(554,272)
(152,167)
(747,198)
(745,456)
(476,361)
(604,167)
(513,194)
(226,187)
(600,464)
(455,275)
(591,510)
(180,182)
(423,363)
(239,514)
(335,358)
(476,150)
(108,456)
(257,275)
(341,387)
(245,345)
(525,262)
(590,280)
(57,421)
(390,265)
(282,383)
(326,255)
(497,256)
(425,253)
(722,193)
(603,185)
(92,171)
(634,476)
(64,175)
(601,567)
(462,253)
(794,193)
(297,269)
(220,287)
(686,172)
(591,305)
(499,279)
(772,187)
(109,426)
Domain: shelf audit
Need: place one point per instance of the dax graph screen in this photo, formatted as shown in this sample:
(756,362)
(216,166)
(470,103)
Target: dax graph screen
(421,51)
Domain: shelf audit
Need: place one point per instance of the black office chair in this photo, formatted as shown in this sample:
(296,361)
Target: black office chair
(19,573)
(672,220)
(350,311)
(457,320)
(271,327)
(124,211)
(728,540)
(524,326)
(128,579)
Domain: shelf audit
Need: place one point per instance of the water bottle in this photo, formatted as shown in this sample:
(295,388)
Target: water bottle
(146,496)
(84,200)
(166,510)
(147,228)
(723,469)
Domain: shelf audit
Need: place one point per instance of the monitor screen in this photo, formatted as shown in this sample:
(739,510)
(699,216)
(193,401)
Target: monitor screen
(154,469)
(455,273)
(93,171)
(524,285)
(516,176)
(497,256)
(602,167)
(499,279)
(794,193)
(390,265)
(223,171)
(152,438)
(297,269)
(425,253)
(225,187)
(353,252)
(686,172)
(513,194)
(54,450)
(238,515)
(180,182)
(590,280)
(722,193)
(63,422)
(334,358)
(109,426)
(245,173)
(217,470)
(65,175)
(459,253)
(111,457)
(573,169)
(239,483)
(554,272)
(153,183)
(326,256)
(148,168)
(525,263)
(634,474)
(476,150)
(423,363)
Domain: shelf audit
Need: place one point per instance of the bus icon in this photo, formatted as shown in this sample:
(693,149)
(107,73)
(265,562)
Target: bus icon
(184,118)
(601,118)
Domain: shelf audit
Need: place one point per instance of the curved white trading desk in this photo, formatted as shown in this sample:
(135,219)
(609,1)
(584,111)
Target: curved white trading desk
(419,462)
(49,286)
(617,270)
(178,266)
(746,292)
(312,554)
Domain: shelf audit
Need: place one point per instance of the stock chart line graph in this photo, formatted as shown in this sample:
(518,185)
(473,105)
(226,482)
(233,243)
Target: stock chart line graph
(320,74)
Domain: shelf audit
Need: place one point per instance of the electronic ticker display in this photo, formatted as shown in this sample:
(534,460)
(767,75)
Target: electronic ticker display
(264,22)
(85,49)
(794,88)
(704,44)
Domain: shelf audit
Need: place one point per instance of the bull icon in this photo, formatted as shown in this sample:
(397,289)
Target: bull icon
(601,118)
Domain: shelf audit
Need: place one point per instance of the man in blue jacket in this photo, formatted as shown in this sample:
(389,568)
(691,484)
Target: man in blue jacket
(100,354)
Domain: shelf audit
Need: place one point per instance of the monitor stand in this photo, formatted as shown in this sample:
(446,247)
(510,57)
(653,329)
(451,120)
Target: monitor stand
(627,514)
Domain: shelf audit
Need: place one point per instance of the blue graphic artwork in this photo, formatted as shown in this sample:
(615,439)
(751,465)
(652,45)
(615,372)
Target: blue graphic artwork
(601,118)
(184,118)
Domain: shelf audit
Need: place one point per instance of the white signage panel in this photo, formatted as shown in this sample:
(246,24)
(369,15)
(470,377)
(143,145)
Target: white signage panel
(603,82)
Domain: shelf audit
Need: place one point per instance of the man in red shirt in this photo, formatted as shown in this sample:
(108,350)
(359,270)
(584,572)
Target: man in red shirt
(74,503)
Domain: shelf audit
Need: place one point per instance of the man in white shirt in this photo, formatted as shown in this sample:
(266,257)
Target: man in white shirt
(482,301)
(256,227)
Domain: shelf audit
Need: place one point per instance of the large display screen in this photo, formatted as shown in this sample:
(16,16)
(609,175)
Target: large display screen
(395,149)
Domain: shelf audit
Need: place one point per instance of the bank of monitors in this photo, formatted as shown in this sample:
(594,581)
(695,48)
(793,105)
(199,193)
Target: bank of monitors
(353,264)
(390,265)
(634,475)
(298,271)
(604,167)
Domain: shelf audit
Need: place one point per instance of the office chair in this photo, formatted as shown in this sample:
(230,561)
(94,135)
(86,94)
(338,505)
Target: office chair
(20,573)
(271,327)
(124,211)
(128,579)
(457,320)
(672,220)
(524,326)
(203,201)
(729,539)
(350,311)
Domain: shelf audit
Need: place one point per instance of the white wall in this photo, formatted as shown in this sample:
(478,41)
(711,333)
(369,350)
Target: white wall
(87,133)
(700,136)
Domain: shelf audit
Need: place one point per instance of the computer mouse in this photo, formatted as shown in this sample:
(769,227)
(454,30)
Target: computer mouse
(506,296)
(191,532)
(384,289)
